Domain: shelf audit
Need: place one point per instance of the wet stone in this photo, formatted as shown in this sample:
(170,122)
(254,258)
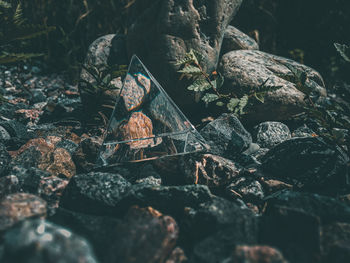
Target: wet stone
(145,235)
(226,135)
(269,134)
(20,206)
(40,241)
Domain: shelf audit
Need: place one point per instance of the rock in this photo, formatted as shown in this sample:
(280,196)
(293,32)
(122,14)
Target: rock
(235,39)
(309,163)
(5,159)
(300,241)
(269,134)
(303,131)
(43,184)
(259,154)
(177,256)
(40,241)
(68,145)
(247,188)
(326,208)
(160,38)
(135,91)
(340,252)
(95,192)
(145,235)
(226,135)
(86,154)
(256,254)
(98,56)
(84,197)
(271,186)
(100,231)
(150,180)
(4,135)
(211,170)
(334,235)
(16,133)
(44,155)
(8,185)
(220,214)
(249,69)
(18,207)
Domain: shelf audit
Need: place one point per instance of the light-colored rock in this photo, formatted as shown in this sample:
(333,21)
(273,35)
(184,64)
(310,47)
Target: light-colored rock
(161,32)
(234,39)
(249,69)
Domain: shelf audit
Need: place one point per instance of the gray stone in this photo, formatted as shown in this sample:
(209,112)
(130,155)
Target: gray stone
(249,69)
(161,32)
(4,135)
(95,192)
(308,163)
(246,187)
(8,185)
(226,136)
(235,39)
(40,241)
(269,134)
(303,131)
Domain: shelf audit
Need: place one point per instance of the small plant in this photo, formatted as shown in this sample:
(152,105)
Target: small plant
(93,93)
(331,117)
(210,85)
(13,27)
(343,50)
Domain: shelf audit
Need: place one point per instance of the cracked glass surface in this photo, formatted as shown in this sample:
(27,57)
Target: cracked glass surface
(146,124)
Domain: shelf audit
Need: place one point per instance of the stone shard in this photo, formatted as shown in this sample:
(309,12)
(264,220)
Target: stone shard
(146,124)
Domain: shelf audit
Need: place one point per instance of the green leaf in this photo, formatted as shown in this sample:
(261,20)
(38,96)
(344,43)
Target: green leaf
(209,97)
(220,104)
(260,96)
(233,103)
(18,16)
(189,69)
(219,81)
(199,85)
(24,32)
(242,104)
(343,50)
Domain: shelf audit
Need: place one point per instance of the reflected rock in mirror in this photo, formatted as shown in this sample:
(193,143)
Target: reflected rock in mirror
(146,124)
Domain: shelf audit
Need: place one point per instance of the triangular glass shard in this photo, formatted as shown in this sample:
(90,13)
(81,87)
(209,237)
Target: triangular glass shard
(146,124)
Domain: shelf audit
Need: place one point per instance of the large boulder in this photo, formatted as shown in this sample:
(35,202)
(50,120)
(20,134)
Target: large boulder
(161,32)
(249,69)
(234,39)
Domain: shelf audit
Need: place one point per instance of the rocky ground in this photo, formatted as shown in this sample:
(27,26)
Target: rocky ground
(267,191)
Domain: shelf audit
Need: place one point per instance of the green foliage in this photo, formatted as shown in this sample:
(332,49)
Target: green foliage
(210,86)
(13,27)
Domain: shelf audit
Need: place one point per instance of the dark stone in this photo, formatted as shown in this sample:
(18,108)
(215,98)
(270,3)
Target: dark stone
(85,155)
(207,169)
(8,185)
(43,184)
(294,231)
(309,163)
(16,129)
(226,136)
(269,134)
(38,96)
(100,231)
(340,253)
(221,214)
(18,207)
(246,187)
(326,208)
(177,256)
(334,236)
(100,196)
(95,192)
(39,241)
(5,159)
(303,131)
(145,235)
(161,32)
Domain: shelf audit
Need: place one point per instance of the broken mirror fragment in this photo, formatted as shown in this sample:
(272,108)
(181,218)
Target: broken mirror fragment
(146,124)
